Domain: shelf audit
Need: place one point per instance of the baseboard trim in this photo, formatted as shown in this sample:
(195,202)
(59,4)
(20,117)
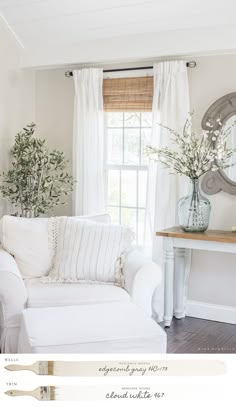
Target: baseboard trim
(213,312)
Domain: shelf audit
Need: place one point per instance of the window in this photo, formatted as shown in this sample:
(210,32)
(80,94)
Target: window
(127,134)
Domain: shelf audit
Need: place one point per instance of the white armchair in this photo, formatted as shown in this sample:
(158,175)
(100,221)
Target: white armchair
(13,299)
(17,292)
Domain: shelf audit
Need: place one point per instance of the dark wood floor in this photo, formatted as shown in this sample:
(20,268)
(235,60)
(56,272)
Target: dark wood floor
(193,335)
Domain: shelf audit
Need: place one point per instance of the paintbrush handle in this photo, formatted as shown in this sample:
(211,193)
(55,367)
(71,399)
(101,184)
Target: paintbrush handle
(16,368)
(40,368)
(16,393)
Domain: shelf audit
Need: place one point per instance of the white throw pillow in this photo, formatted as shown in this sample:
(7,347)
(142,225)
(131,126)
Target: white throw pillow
(28,241)
(31,242)
(89,252)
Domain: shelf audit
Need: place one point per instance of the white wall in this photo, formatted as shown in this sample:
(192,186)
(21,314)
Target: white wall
(213,276)
(54,115)
(16,96)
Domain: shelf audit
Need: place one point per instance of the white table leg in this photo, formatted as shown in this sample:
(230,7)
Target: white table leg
(182,271)
(169,281)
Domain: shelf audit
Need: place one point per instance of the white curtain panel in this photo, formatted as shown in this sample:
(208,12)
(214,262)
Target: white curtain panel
(88,142)
(170,108)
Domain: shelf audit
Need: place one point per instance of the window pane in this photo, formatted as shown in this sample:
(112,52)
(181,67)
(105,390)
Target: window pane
(114,214)
(145,140)
(132,119)
(132,146)
(128,217)
(140,233)
(128,134)
(114,146)
(146,119)
(114,119)
(129,188)
(113,187)
(142,187)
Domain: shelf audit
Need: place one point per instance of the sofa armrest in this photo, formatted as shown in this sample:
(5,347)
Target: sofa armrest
(13,294)
(142,276)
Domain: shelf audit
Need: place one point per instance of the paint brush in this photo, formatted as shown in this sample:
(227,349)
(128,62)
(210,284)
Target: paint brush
(124,368)
(110,392)
(40,393)
(96,392)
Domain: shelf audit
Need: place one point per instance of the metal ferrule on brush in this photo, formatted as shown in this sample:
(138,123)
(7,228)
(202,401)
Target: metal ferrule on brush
(43,368)
(47,393)
(46,368)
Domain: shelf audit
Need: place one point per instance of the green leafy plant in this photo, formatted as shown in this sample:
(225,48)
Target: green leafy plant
(38,180)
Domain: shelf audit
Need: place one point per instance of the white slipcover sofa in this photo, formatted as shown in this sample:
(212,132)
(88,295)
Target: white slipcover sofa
(25,255)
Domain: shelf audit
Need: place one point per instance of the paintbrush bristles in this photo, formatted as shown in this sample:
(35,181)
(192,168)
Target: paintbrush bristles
(51,368)
(52,393)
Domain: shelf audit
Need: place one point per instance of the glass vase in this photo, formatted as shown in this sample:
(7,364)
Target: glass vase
(194,210)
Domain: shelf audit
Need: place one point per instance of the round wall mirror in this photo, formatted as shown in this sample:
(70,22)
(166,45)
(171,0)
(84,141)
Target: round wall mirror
(225,109)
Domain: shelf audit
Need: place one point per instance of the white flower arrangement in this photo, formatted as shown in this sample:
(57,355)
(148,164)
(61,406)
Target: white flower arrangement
(194,155)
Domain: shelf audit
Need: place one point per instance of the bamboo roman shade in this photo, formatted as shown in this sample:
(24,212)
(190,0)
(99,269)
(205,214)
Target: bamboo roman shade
(128,94)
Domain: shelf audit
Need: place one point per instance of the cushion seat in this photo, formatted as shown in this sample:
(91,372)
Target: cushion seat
(97,328)
(53,295)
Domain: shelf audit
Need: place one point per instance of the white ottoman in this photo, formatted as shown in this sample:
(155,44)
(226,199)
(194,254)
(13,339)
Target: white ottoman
(100,328)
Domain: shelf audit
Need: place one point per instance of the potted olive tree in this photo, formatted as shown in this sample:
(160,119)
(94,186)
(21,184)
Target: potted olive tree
(37,180)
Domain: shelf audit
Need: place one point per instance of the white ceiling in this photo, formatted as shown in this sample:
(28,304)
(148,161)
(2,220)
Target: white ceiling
(72,31)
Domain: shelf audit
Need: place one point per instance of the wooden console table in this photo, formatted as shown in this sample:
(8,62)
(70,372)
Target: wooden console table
(177,255)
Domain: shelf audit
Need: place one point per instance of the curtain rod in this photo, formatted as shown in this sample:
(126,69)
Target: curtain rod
(190,64)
